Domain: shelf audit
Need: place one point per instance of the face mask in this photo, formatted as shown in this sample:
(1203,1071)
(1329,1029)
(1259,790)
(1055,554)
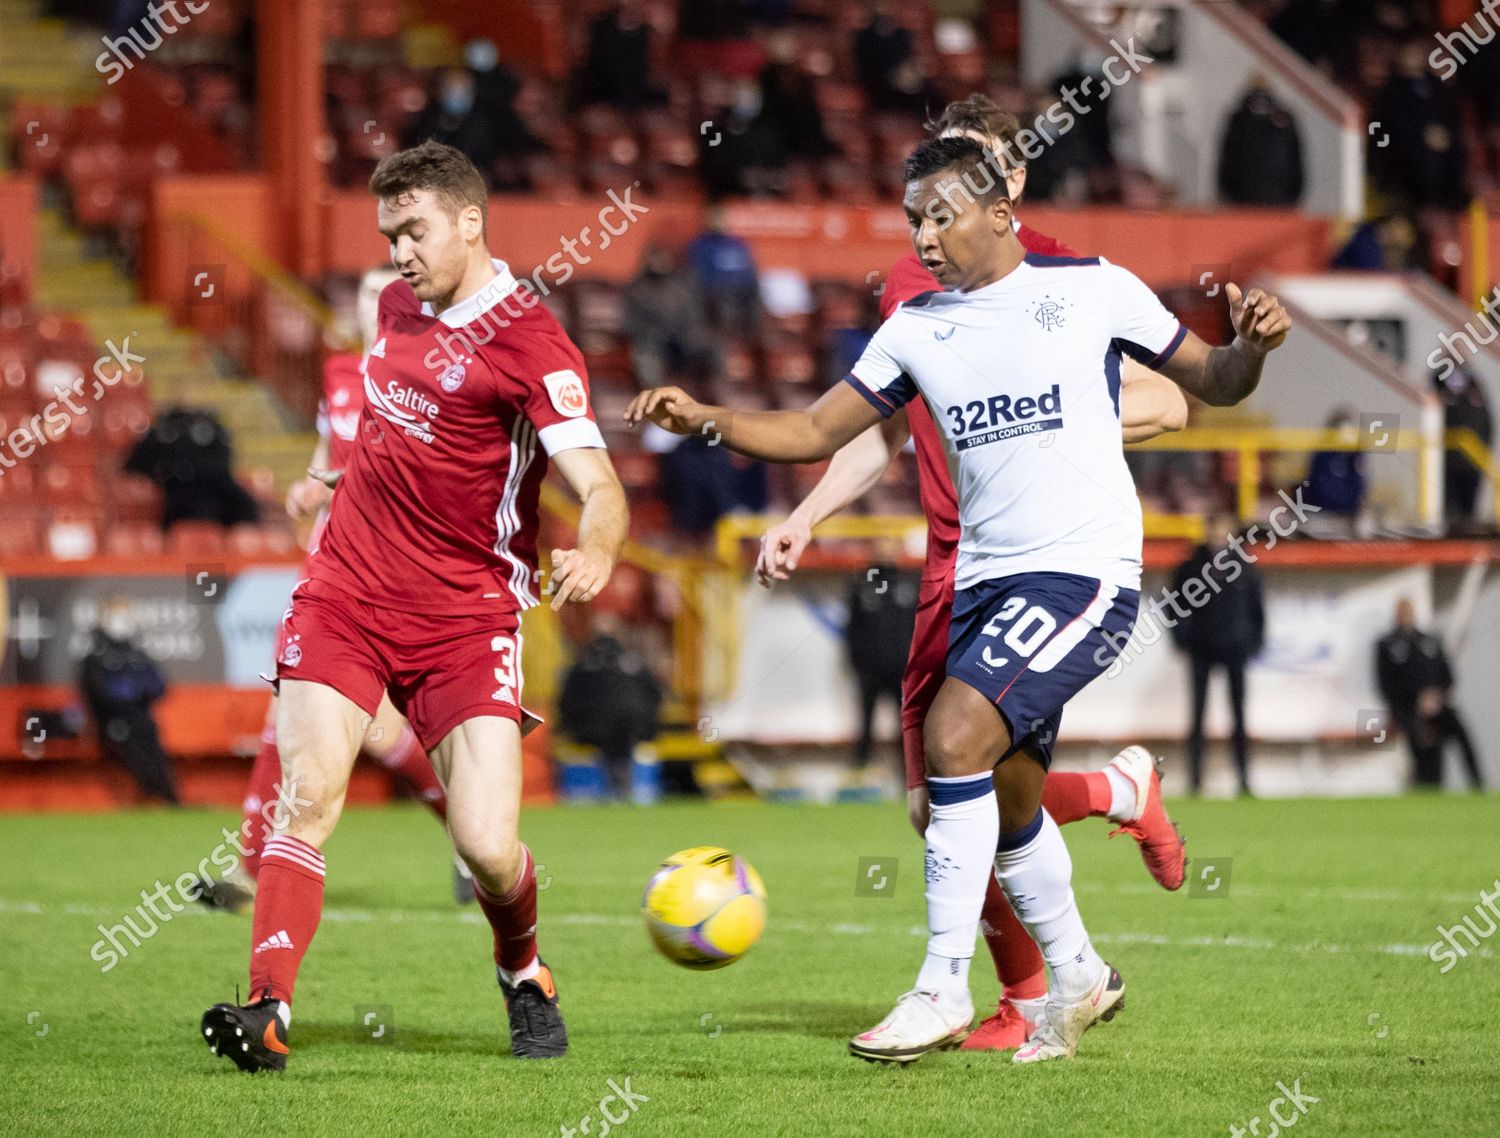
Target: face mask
(456,100)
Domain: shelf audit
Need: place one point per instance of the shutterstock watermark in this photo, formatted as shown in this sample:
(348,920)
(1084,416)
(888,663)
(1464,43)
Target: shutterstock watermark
(1197,591)
(145,37)
(1286,1110)
(1447,951)
(1449,55)
(629,1102)
(1446,359)
(459,344)
(54,420)
(109,950)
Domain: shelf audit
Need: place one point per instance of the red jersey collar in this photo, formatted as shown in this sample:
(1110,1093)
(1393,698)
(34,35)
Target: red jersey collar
(468,311)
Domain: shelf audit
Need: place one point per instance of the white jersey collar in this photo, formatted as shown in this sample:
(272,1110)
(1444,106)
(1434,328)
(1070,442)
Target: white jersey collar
(470,310)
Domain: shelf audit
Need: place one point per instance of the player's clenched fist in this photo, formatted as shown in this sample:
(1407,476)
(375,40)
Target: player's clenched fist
(780,550)
(1258,318)
(578,575)
(670,408)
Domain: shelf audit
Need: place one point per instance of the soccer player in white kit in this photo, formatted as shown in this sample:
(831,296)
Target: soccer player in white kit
(1018,360)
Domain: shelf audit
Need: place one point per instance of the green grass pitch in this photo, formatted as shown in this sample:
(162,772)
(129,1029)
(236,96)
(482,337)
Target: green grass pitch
(1308,962)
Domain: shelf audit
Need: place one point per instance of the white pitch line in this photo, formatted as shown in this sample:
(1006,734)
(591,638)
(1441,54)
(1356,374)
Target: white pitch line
(620,920)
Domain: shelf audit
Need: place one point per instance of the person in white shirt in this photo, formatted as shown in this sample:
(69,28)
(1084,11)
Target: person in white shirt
(1018,360)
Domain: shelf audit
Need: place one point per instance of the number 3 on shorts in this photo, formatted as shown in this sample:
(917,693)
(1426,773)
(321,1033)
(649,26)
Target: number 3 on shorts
(505,670)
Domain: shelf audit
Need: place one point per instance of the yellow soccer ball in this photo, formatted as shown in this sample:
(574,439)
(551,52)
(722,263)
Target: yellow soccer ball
(704,907)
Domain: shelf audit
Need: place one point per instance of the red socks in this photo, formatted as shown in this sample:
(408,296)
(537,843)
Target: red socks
(1073,797)
(513,917)
(260,801)
(410,764)
(288,903)
(1018,961)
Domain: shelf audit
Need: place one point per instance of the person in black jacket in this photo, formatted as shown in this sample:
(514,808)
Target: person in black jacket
(1260,158)
(1464,409)
(187,453)
(120,683)
(1224,627)
(882,617)
(612,702)
(1412,672)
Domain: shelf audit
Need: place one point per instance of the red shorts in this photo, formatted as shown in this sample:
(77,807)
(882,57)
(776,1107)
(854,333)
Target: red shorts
(439,669)
(926,667)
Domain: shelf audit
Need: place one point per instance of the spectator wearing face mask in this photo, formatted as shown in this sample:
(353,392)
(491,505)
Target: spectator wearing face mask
(120,684)
(745,154)
(665,320)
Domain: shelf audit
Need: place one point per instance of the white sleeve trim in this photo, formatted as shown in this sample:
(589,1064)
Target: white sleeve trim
(572,435)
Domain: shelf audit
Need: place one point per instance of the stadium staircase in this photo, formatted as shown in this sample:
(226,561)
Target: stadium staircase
(43,60)
(180,368)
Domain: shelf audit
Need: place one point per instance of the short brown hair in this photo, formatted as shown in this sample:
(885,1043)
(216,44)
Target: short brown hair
(981,114)
(443,171)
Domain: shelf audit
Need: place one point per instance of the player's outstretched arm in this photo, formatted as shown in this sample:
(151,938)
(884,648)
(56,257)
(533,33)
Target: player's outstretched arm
(856,467)
(1224,376)
(805,435)
(1150,404)
(581,574)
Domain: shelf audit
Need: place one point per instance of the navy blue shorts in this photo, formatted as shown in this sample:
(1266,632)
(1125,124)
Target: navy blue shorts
(1032,641)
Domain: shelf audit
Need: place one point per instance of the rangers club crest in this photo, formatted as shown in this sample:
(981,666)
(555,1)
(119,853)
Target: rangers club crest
(452,379)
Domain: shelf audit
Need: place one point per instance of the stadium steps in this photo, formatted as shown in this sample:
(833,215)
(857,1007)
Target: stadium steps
(180,367)
(44,58)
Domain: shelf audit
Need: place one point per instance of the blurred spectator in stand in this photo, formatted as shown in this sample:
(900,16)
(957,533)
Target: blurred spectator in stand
(1390,243)
(1336,478)
(187,454)
(790,100)
(1077,166)
(742,152)
(1464,409)
(1425,160)
(877,637)
(120,683)
(885,64)
(1260,157)
(612,702)
(664,318)
(452,116)
(617,63)
(1225,627)
(702,481)
(724,270)
(474,109)
(1412,671)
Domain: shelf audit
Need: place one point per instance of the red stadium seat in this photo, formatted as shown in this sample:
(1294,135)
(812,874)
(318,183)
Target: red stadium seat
(196,539)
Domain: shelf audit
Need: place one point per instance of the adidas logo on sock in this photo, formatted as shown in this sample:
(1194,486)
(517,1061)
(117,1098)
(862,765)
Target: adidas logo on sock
(277,940)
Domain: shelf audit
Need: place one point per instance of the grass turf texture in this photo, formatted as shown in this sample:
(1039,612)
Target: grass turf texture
(1293,968)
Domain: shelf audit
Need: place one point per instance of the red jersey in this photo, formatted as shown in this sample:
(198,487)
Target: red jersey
(338,410)
(437,508)
(906,281)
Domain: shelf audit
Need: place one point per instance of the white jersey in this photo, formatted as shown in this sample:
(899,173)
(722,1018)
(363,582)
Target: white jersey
(1023,380)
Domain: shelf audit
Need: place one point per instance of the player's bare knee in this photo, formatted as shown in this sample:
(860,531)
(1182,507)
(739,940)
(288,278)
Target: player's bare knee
(495,863)
(950,751)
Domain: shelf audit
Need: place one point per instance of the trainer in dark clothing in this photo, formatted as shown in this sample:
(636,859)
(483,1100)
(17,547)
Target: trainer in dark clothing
(1224,627)
(1412,672)
(611,701)
(882,617)
(120,683)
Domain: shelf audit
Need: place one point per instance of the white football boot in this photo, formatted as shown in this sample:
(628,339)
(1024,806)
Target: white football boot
(920,1022)
(1062,1024)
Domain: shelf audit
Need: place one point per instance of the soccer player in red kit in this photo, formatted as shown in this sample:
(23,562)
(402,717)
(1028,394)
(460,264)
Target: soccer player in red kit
(417,584)
(389,739)
(1128,790)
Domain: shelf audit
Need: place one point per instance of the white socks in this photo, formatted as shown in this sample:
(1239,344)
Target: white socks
(1122,804)
(1037,874)
(961,839)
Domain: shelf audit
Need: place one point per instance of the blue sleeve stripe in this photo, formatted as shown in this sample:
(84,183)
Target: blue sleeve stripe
(1170,350)
(874,398)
